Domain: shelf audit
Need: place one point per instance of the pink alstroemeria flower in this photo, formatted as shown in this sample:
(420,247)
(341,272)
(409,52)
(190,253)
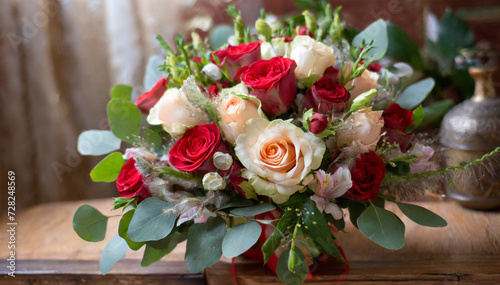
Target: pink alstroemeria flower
(327,187)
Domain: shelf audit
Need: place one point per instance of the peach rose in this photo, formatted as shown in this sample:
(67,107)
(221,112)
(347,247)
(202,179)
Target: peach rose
(365,82)
(363,126)
(236,111)
(278,157)
(175,113)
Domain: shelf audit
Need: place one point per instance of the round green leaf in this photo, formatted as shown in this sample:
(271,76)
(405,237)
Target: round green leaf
(108,169)
(124,118)
(121,91)
(114,251)
(240,238)
(153,220)
(123,229)
(415,94)
(376,32)
(97,142)
(89,223)
(301,269)
(253,210)
(152,255)
(422,216)
(382,227)
(152,138)
(204,244)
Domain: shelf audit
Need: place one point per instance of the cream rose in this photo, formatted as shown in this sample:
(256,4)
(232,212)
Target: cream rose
(278,157)
(312,58)
(365,82)
(277,47)
(363,126)
(174,112)
(236,111)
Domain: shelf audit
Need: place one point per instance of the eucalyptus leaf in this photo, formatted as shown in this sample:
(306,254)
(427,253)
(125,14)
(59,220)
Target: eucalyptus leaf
(382,227)
(124,119)
(97,142)
(204,244)
(235,204)
(240,238)
(435,112)
(121,91)
(108,169)
(152,138)
(219,35)
(415,94)
(153,220)
(153,72)
(89,223)
(422,216)
(123,229)
(253,210)
(402,47)
(301,270)
(152,255)
(376,32)
(114,251)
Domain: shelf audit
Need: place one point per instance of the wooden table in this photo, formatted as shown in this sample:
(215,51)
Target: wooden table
(466,251)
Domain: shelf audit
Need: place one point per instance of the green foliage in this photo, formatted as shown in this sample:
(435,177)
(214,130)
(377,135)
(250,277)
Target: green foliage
(240,238)
(168,171)
(436,111)
(120,202)
(287,220)
(204,244)
(422,216)
(124,119)
(114,251)
(382,227)
(97,142)
(415,94)
(89,223)
(153,220)
(418,117)
(123,229)
(339,224)
(253,210)
(152,139)
(402,47)
(236,203)
(108,169)
(282,269)
(153,71)
(121,91)
(453,34)
(152,255)
(376,33)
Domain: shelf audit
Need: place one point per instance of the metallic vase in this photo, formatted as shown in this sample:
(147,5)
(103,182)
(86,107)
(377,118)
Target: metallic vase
(470,130)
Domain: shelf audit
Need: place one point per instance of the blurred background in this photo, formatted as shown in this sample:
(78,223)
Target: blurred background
(60,58)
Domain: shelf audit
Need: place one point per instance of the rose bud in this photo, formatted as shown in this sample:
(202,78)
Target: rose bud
(212,71)
(273,82)
(130,182)
(235,57)
(326,96)
(213,181)
(318,123)
(148,99)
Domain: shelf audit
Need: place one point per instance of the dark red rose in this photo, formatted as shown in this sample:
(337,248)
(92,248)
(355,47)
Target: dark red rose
(318,123)
(195,149)
(130,182)
(366,176)
(397,118)
(375,67)
(326,96)
(332,73)
(235,57)
(148,99)
(396,121)
(273,82)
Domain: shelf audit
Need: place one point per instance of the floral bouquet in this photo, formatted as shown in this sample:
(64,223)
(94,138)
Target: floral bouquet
(262,146)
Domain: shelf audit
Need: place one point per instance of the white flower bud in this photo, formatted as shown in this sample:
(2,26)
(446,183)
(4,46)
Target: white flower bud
(223,161)
(213,181)
(211,70)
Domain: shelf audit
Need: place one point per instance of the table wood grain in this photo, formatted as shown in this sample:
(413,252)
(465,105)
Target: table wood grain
(466,251)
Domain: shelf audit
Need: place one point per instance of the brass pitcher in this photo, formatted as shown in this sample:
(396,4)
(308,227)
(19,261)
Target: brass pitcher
(470,130)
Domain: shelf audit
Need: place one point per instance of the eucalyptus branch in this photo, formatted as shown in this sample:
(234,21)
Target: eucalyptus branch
(443,170)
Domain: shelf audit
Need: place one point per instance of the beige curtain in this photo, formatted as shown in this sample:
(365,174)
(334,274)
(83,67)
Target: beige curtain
(58,61)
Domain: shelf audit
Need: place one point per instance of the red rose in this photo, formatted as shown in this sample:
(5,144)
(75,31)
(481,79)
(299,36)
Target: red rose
(195,149)
(366,176)
(326,96)
(148,99)
(332,73)
(235,57)
(273,82)
(129,182)
(396,120)
(318,123)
